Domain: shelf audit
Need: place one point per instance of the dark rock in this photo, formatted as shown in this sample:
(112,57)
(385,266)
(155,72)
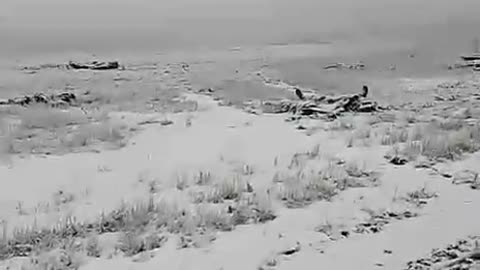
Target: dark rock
(398,160)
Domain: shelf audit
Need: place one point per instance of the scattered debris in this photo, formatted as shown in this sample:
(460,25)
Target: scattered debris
(54,100)
(377,222)
(206,91)
(333,233)
(442,98)
(149,122)
(471,60)
(451,85)
(466,177)
(420,197)
(464,254)
(358,65)
(314,105)
(94,65)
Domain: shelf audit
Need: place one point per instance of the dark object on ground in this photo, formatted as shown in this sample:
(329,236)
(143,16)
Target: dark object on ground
(207,91)
(376,223)
(464,254)
(398,160)
(166,122)
(54,100)
(185,67)
(149,122)
(299,94)
(94,65)
(291,250)
(364,91)
(314,105)
(358,65)
(467,177)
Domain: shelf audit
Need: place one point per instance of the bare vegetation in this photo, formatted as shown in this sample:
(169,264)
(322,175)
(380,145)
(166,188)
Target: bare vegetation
(145,226)
(436,143)
(441,140)
(303,187)
(394,135)
(44,130)
(420,197)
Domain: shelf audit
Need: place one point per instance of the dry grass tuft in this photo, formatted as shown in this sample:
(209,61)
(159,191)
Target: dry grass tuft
(143,226)
(394,135)
(110,133)
(301,187)
(203,178)
(302,190)
(131,243)
(44,130)
(362,134)
(92,247)
(341,124)
(228,189)
(43,117)
(434,142)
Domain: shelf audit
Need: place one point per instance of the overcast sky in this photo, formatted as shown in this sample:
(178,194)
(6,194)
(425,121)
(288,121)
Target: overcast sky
(112,12)
(28,21)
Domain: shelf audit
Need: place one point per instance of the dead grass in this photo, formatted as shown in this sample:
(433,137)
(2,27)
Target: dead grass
(306,184)
(228,189)
(441,139)
(420,197)
(361,136)
(394,135)
(341,124)
(41,129)
(113,134)
(300,188)
(438,142)
(131,243)
(92,246)
(43,117)
(145,225)
(44,130)
(151,97)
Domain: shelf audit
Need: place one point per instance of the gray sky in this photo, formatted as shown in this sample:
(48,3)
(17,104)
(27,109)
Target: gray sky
(51,23)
